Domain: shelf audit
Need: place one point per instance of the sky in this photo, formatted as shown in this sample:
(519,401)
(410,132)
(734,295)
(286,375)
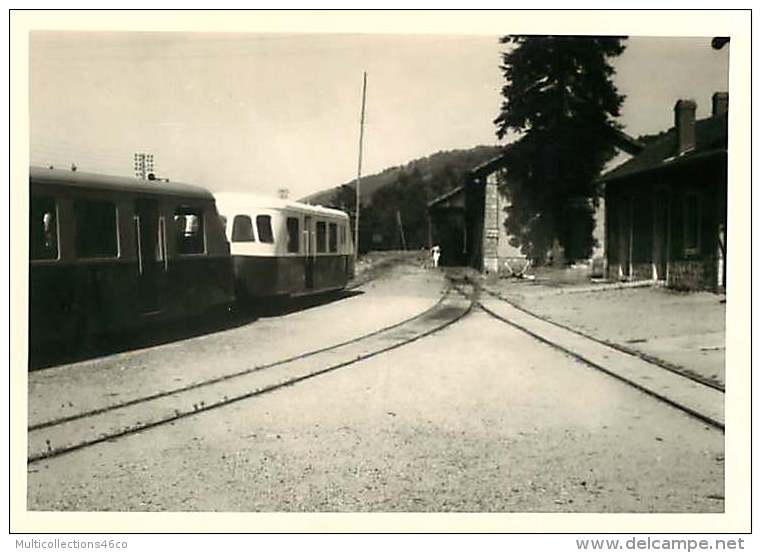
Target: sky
(261,112)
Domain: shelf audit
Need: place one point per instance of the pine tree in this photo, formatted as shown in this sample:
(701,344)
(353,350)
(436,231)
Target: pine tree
(561,102)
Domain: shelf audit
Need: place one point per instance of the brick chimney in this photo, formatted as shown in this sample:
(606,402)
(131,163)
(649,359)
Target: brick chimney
(684,121)
(719,103)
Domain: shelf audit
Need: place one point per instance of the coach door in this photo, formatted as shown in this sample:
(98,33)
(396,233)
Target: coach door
(309,248)
(151,255)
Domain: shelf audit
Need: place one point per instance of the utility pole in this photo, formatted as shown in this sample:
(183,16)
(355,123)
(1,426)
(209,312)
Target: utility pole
(359,166)
(401,229)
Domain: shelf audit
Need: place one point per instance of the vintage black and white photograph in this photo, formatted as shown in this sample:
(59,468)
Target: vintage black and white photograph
(378,272)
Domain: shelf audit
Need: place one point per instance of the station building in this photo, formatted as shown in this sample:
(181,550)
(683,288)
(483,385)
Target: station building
(667,207)
(468,223)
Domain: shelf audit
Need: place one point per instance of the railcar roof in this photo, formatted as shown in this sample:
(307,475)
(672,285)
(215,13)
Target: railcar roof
(120,184)
(242,201)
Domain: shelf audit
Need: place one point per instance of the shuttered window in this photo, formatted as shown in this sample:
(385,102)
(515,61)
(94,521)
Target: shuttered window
(691,224)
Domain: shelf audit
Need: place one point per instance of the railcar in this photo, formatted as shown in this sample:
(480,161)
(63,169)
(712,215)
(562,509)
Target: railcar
(108,254)
(282,248)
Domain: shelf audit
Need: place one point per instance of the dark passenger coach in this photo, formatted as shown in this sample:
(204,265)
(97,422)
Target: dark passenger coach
(108,254)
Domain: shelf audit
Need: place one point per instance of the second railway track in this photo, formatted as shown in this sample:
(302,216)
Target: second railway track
(57,436)
(694,397)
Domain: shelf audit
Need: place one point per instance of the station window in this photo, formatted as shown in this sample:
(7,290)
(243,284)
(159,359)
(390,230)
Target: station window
(332,238)
(243,229)
(292,224)
(189,231)
(264,229)
(691,224)
(95,229)
(43,228)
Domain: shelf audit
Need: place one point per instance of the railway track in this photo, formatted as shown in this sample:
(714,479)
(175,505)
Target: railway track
(645,357)
(57,420)
(58,436)
(696,397)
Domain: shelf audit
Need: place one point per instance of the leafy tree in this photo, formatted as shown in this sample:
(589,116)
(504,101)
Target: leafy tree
(406,190)
(408,196)
(560,101)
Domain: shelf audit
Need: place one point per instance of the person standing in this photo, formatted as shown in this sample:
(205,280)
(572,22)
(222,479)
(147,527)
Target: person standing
(435,255)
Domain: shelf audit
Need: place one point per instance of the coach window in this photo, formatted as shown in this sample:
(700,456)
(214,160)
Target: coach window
(95,229)
(342,235)
(43,228)
(321,236)
(264,229)
(332,238)
(189,230)
(292,224)
(243,229)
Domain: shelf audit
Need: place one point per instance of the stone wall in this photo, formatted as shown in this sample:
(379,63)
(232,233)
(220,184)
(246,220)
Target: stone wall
(642,271)
(698,274)
(613,271)
(639,271)
(491,225)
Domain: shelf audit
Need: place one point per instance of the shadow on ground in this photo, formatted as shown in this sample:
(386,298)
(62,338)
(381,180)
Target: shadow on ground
(174,331)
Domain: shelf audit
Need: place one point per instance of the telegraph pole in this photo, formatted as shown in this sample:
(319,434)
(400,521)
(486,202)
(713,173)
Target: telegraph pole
(359,166)
(401,229)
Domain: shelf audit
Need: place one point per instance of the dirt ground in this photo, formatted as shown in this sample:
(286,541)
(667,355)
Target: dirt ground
(69,388)
(475,418)
(682,330)
(371,265)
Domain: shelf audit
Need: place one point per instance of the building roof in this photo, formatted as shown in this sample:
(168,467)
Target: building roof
(622,141)
(446,196)
(488,166)
(710,139)
(120,184)
(626,143)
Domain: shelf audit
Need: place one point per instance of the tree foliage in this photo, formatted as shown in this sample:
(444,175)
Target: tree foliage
(561,102)
(405,199)
(406,190)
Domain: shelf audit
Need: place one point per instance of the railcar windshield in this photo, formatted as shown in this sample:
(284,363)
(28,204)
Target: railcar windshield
(243,229)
